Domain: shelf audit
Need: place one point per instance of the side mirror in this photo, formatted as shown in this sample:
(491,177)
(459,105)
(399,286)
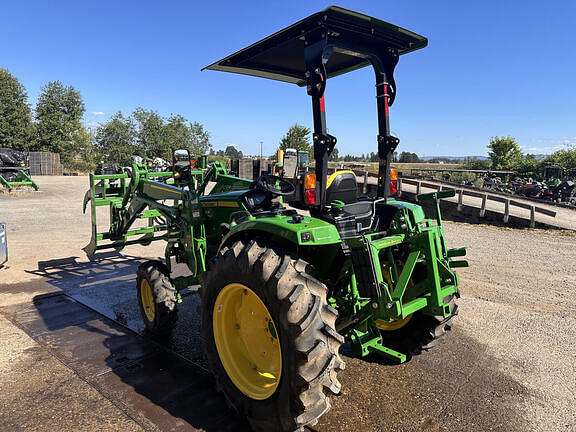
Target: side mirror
(181,157)
(181,166)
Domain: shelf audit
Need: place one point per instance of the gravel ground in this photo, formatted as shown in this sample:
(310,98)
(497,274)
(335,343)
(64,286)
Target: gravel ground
(519,301)
(508,365)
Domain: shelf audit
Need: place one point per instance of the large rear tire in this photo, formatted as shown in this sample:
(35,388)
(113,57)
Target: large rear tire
(157,298)
(252,284)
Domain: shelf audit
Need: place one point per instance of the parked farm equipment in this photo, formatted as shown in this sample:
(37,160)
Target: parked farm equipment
(280,290)
(14,169)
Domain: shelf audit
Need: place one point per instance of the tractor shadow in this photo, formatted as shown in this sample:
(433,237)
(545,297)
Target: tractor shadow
(457,386)
(85,323)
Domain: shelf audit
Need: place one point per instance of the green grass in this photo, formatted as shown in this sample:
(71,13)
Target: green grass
(403,167)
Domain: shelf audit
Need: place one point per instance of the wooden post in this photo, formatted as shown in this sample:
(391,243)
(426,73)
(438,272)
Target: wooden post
(460,196)
(483,208)
(418,186)
(532,216)
(365,187)
(399,187)
(506,211)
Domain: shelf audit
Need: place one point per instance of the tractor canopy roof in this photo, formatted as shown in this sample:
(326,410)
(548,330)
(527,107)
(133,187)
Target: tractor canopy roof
(281,56)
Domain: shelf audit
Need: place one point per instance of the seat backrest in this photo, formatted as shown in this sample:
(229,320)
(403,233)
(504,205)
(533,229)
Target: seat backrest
(342,186)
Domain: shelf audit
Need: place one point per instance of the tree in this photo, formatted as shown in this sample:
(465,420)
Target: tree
(566,158)
(232,153)
(59,113)
(504,152)
(86,155)
(199,143)
(407,157)
(150,136)
(159,137)
(16,129)
(178,135)
(473,163)
(297,137)
(116,140)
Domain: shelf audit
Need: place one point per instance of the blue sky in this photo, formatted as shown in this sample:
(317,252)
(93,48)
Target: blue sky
(491,68)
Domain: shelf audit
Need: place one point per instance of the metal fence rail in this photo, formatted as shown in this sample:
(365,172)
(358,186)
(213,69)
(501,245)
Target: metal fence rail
(368,188)
(485,197)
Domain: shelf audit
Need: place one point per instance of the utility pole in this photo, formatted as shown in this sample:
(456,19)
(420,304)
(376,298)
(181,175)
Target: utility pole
(260,150)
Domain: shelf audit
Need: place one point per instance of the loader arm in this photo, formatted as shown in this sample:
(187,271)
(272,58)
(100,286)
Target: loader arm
(141,195)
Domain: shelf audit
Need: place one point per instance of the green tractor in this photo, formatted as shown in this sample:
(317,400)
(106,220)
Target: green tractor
(281,290)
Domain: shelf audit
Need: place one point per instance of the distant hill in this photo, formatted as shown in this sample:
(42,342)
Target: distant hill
(456,158)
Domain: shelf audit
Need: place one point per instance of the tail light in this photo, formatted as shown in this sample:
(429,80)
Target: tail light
(310,196)
(310,189)
(310,181)
(393,181)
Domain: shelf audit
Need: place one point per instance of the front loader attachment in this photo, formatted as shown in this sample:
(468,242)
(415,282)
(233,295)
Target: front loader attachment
(21,179)
(112,190)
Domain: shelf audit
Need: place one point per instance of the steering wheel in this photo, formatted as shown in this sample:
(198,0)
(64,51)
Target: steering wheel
(268,183)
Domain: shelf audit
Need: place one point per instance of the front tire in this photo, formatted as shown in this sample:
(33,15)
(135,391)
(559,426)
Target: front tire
(300,362)
(157,298)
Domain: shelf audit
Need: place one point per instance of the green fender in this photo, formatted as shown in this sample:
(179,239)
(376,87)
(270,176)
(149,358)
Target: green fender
(300,231)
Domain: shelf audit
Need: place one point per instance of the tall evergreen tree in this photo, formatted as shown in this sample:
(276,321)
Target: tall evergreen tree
(16,129)
(297,137)
(59,113)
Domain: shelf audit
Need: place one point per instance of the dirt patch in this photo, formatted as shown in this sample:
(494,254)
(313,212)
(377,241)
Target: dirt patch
(457,387)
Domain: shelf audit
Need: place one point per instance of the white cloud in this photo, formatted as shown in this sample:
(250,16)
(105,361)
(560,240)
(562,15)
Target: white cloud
(551,147)
(98,113)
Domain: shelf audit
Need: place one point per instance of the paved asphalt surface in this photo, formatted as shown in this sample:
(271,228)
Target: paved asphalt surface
(507,366)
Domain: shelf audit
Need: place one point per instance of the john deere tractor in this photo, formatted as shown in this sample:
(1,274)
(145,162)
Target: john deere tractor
(281,290)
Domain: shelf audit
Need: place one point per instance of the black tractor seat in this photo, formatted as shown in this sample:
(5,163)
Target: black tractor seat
(364,216)
(342,186)
(354,218)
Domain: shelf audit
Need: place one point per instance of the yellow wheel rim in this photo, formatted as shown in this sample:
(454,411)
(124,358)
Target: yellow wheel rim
(247,341)
(394,324)
(147,300)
